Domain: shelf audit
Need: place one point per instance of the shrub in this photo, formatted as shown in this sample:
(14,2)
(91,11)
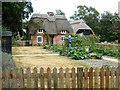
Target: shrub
(36,45)
(82,41)
(46,46)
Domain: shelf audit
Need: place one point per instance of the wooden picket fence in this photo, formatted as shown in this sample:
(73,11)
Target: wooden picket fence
(60,78)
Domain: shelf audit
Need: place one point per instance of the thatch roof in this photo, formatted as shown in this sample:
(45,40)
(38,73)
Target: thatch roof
(51,24)
(79,25)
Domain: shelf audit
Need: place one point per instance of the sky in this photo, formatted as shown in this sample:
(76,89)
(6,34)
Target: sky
(69,6)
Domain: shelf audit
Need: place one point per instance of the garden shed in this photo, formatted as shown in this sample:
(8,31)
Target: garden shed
(6,41)
(80,27)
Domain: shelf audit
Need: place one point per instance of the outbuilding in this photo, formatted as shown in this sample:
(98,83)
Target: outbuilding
(80,27)
(6,41)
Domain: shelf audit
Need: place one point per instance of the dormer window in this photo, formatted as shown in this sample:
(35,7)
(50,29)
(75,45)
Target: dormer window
(63,31)
(40,31)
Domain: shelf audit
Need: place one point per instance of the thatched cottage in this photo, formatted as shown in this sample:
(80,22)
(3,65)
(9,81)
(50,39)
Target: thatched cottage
(80,27)
(52,31)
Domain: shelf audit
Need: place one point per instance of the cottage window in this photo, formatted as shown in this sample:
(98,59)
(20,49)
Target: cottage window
(39,39)
(63,31)
(62,38)
(40,31)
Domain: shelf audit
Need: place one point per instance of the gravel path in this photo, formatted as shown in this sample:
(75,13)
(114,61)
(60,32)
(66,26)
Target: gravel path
(100,63)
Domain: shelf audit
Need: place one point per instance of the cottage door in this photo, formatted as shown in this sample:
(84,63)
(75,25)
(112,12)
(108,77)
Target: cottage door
(51,39)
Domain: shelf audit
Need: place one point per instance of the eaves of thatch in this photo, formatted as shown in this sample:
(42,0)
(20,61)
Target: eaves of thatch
(51,24)
(79,25)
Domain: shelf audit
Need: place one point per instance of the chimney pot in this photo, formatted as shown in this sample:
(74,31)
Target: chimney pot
(50,13)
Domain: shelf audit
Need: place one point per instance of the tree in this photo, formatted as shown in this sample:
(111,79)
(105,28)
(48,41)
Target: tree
(110,27)
(13,14)
(59,12)
(90,15)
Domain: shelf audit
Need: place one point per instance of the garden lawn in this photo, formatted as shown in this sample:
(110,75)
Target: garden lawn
(36,56)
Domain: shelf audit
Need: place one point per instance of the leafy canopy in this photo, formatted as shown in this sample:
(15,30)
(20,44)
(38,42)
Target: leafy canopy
(110,26)
(13,13)
(59,12)
(89,14)
(106,25)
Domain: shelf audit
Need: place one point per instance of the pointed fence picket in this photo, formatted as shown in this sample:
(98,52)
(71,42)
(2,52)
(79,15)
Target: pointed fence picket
(60,78)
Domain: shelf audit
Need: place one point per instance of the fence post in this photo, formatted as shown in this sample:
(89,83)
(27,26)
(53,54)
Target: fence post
(96,78)
(49,78)
(35,78)
(42,77)
(91,78)
(55,78)
(102,78)
(80,78)
(73,78)
(61,76)
(67,78)
(0,78)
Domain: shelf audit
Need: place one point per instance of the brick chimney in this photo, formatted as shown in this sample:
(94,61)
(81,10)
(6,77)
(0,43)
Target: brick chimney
(50,13)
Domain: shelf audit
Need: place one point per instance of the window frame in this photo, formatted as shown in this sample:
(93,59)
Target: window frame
(41,39)
(63,38)
(63,32)
(39,31)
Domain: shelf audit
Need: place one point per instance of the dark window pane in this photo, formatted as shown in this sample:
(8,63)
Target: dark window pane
(39,39)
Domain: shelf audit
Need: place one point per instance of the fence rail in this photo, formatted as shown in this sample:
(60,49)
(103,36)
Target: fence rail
(60,78)
(114,46)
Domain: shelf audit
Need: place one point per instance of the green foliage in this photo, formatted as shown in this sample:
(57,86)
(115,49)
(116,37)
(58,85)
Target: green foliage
(5,29)
(77,53)
(14,43)
(90,15)
(37,45)
(59,12)
(85,12)
(78,49)
(25,37)
(13,13)
(110,27)
(105,51)
(34,24)
(82,41)
(106,25)
(73,52)
(46,46)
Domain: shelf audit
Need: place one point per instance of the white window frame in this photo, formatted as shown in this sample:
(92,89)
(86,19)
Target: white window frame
(41,39)
(62,37)
(40,30)
(63,31)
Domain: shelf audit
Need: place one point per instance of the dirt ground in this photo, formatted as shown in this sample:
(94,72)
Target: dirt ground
(38,57)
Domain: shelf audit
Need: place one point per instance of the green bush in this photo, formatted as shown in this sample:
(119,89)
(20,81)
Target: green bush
(36,45)
(105,51)
(46,46)
(82,41)
(14,43)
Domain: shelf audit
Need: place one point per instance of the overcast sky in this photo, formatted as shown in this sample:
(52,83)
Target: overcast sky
(69,6)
